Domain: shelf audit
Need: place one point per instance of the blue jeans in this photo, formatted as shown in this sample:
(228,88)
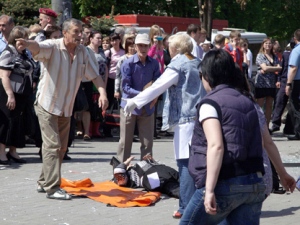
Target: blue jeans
(239,201)
(187,185)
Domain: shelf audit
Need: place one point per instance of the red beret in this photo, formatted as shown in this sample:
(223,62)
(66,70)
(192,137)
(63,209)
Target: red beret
(48,12)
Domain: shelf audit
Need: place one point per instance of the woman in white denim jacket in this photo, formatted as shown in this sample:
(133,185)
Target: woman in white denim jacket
(184,90)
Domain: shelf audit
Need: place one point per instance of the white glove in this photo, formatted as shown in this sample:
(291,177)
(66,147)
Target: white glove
(129,107)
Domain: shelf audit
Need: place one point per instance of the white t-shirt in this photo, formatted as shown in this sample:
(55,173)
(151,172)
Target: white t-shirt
(196,49)
(207,111)
(250,59)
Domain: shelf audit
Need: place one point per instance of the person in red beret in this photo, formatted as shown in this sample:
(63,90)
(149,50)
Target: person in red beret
(47,18)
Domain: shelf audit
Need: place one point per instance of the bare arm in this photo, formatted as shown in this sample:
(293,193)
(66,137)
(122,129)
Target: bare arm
(11,102)
(127,162)
(215,151)
(99,83)
(268,69)
(245,57)
(291,75)
(32,46)
(287,181)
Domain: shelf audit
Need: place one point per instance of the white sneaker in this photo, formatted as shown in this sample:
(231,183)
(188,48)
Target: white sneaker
(59,194)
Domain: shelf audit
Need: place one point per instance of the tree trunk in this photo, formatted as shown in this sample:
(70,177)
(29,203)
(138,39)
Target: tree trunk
(209,17)
(200,12)
(205,14)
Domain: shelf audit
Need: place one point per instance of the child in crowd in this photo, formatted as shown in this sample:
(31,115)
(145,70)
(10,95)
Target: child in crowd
(106,43)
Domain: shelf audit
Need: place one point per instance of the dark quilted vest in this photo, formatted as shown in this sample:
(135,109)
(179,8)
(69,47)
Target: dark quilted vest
(241,136)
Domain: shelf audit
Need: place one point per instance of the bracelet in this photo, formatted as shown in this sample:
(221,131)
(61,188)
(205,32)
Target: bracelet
(289,84)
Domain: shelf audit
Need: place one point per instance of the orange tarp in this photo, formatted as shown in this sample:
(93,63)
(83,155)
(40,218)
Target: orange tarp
(110,193)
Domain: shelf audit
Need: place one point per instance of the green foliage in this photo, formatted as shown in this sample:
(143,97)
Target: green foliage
(277,18)
(104,23)
(25,12)
(83,8)
(180,8)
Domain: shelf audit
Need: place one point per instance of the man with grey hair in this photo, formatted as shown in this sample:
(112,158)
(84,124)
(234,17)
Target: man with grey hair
(6,25)
(66,62)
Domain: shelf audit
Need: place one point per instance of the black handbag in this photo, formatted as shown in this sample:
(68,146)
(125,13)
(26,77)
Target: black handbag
(81,103)
(112,116)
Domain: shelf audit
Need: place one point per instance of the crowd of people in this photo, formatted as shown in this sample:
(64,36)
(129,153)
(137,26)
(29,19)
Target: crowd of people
(185,83)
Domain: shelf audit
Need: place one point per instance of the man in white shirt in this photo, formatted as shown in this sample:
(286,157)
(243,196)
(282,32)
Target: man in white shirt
(195,32)
(65,63)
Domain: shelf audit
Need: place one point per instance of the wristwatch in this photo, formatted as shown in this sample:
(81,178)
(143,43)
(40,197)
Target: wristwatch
(289,84)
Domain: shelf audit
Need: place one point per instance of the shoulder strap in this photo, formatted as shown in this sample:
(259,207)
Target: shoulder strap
(269,60)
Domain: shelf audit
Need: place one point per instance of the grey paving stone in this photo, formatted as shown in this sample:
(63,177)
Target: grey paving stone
(21,204)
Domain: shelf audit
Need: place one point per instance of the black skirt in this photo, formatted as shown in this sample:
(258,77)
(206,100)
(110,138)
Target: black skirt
(265,92)
(12,130)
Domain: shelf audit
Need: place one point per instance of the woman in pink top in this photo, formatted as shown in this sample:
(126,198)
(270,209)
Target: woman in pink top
(156,50)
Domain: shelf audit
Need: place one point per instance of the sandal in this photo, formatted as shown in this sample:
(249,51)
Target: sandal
(86,137)
(78,133)
(177,215)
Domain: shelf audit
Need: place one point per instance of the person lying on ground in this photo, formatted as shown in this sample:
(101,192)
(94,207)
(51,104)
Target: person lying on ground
(148,174)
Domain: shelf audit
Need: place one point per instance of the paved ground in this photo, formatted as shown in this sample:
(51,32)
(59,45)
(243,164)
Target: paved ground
(21,204)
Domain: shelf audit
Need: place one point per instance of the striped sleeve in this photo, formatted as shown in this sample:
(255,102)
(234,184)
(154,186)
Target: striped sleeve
(6,59)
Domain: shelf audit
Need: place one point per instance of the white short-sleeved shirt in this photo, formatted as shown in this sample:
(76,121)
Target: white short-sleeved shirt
(61,77)
(250,58)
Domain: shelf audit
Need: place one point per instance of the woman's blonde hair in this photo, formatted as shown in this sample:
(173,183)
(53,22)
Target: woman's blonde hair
(182,43)
(154,30)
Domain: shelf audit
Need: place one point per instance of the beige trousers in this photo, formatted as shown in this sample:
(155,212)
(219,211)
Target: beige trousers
(55,134)
(145,125)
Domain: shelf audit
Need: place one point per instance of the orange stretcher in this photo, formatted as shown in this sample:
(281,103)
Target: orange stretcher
(110,193)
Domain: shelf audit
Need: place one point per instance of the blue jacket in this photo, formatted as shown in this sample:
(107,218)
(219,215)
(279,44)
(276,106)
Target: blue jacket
(135,76)
(241,136)
(181,100)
